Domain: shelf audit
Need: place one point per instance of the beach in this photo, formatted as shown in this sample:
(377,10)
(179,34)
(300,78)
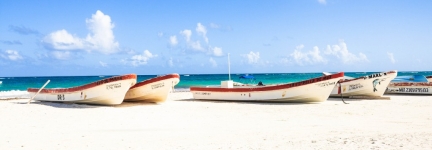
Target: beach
(404,122)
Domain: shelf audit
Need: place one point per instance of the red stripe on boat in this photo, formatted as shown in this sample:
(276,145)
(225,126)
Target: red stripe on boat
(148,81)
(84,87)
(268,88)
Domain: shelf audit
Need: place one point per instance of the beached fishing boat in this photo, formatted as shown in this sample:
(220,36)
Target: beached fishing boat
(415,84)
(312,90)
(153,90)
(410,88)
(110,91)
(370,85)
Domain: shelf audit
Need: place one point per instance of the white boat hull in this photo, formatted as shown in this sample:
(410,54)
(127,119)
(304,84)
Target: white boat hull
(371,85)
(110,91)
(153,90)
(410,88)
(313,90)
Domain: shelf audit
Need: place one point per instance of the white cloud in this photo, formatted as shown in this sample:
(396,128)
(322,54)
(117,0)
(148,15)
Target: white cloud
(187,34)
(390,55)
(173,40)
(61,55)
(137,60)
(217,51)
(252,57)
(322,2)
(62,40)
(100,38)
(202,31)
(284,61)
(309,57)
(201,45)
(170,62)
(213,62)
(103,64)
(215,26)
(195,45)
(11,55)
(341,52)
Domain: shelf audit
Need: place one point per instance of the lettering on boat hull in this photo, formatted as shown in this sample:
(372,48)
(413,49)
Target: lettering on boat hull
(202,93)
(326,84)
(113,86)
(354,86)
(410,90)
(159,85)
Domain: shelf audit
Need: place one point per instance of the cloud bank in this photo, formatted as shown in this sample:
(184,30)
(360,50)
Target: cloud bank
(100,38)
(138,60)
(196,45)
(309,57)
(338,52)
(342,53)
(252,57)
(11,55)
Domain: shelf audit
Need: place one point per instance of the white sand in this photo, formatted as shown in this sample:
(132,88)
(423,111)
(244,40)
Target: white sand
(404,122)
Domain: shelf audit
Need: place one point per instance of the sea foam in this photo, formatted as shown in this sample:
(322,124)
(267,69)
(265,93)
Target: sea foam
(14,94)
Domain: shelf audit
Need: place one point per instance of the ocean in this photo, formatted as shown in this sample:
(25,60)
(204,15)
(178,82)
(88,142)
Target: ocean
(17,86)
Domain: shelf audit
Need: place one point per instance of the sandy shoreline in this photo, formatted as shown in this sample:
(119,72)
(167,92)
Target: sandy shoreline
(404,122)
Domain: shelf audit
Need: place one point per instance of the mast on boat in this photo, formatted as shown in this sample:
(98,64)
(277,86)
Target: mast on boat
(229,82)
(229,69)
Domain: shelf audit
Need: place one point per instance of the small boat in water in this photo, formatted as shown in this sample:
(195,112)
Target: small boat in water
(109,91)
(153,90)
(370,85)
(415,84)
(312,90)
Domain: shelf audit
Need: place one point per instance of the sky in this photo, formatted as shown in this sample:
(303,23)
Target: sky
(151,37)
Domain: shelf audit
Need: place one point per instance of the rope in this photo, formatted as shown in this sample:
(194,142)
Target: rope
(340,86)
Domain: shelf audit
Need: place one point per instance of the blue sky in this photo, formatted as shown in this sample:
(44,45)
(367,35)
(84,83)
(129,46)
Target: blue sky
(58,38)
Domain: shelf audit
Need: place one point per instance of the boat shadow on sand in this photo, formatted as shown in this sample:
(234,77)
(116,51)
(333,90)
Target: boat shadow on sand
(80,106)
(248,102)
(346,99)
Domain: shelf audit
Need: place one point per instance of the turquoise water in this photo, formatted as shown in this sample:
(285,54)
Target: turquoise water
(186,81)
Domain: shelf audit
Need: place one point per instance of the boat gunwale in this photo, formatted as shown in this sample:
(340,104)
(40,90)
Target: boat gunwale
(363,77)
(269,87)
(155,79)
(85,86)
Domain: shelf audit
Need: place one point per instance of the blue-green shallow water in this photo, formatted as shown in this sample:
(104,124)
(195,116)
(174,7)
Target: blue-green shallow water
(186,81)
